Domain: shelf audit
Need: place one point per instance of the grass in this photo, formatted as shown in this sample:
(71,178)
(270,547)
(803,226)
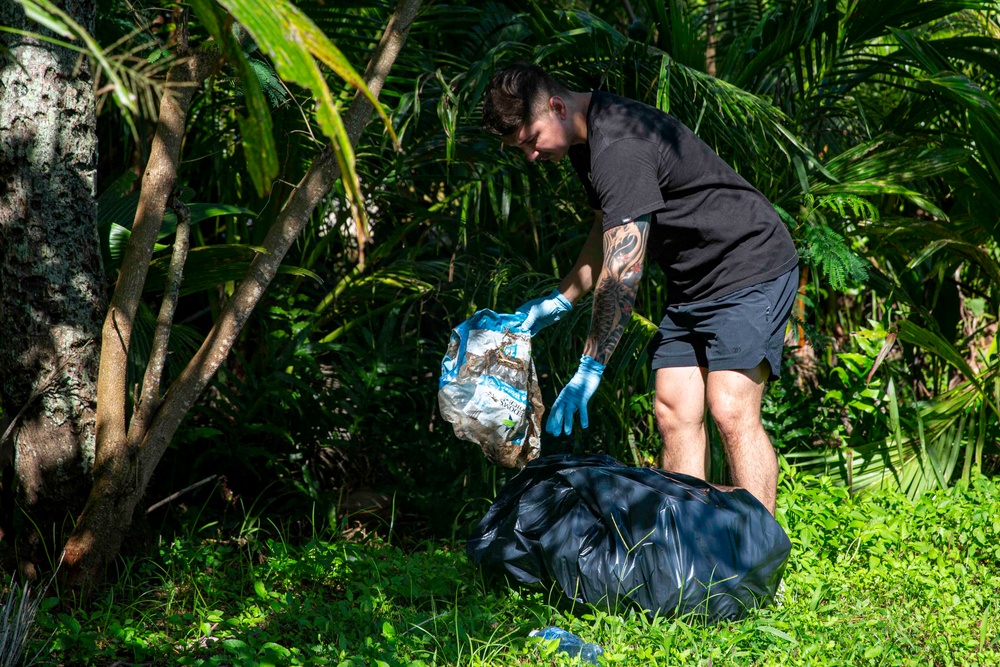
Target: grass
(18,607)
(875,580)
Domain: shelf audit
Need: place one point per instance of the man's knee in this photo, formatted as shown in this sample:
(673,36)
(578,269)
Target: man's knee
(680,397)
(735,412)
(729,410)
(673,415)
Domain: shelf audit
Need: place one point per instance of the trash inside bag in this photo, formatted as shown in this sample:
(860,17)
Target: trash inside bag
(612,535)
(489,388)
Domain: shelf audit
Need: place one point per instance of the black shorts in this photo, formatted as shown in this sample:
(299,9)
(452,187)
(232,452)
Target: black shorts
(733,332)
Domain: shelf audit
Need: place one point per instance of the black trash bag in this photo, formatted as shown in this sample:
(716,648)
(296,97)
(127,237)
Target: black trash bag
(611,535)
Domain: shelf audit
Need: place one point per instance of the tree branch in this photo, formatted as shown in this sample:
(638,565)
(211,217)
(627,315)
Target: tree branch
(175,496)
(150,400)
(158,182)
(319,179)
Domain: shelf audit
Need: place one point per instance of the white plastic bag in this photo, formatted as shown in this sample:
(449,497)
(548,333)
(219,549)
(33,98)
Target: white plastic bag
(489,388)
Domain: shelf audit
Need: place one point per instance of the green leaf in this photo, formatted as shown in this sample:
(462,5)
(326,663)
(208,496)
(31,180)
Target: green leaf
(157,54)
(202,211)
(277,648)
(256,128)
(930,341)
(777,633)
(663,86)
(291,40)
(116,212)
(827,249)
(236,646)
(874,651)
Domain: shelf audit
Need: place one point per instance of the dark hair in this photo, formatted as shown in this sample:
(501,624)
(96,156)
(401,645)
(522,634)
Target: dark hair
(515,94)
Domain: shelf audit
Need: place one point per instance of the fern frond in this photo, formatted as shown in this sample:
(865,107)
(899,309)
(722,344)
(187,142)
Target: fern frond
(269,83)
(786,217)
(826,250)
(861,208)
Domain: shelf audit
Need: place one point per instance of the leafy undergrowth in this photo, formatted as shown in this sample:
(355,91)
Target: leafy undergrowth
(877,580)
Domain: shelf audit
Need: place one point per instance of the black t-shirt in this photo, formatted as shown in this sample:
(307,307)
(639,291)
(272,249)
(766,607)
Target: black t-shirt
(712,232)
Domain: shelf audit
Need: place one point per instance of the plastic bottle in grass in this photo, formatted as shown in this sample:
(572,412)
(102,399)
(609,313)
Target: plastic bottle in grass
(570,644)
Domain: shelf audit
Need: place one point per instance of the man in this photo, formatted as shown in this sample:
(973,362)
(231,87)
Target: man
(730,265)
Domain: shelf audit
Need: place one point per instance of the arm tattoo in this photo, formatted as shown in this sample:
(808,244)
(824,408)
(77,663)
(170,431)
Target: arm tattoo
(614,295)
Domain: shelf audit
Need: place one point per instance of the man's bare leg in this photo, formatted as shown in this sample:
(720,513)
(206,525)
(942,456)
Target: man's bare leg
(680,415)
(734,399)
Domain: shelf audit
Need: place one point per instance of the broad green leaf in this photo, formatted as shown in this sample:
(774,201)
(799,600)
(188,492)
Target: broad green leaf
(256,128)
(932,342)
(277,648)
(235,645)
(202,211)
(325,50)
(663,85)
(292,40)
(116,212)
(973,252)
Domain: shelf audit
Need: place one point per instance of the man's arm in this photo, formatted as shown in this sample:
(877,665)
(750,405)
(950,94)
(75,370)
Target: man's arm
(581,278)
(614,296)
(621,268)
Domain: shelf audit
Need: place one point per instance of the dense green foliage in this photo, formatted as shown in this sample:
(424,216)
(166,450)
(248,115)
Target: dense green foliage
(876,580)
(867,124)
(871,125)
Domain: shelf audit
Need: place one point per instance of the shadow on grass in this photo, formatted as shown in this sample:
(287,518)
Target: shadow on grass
(222,603)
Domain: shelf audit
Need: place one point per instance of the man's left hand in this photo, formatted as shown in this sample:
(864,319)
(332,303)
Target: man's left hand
(574,398)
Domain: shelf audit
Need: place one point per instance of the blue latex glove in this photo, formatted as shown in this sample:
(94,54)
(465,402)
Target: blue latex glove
(574,397)
(540,313)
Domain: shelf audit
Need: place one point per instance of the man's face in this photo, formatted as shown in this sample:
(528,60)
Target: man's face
(546,136)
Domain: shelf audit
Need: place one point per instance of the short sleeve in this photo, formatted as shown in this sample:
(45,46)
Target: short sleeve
(626,179)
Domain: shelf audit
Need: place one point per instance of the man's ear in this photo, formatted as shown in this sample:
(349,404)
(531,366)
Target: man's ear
(559,107)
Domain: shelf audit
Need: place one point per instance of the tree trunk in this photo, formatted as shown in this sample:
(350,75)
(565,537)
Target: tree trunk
(126,466)
(51,285)
(119,482)
(713,37)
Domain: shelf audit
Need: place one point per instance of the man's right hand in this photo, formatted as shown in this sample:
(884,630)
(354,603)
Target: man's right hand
(540,313)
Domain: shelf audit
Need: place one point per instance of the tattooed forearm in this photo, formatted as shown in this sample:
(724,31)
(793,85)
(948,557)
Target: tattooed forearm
(614,296)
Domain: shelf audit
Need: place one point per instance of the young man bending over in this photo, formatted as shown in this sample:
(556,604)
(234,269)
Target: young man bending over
(659,193)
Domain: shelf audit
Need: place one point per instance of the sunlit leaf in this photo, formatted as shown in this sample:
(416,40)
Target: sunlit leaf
(256,127)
